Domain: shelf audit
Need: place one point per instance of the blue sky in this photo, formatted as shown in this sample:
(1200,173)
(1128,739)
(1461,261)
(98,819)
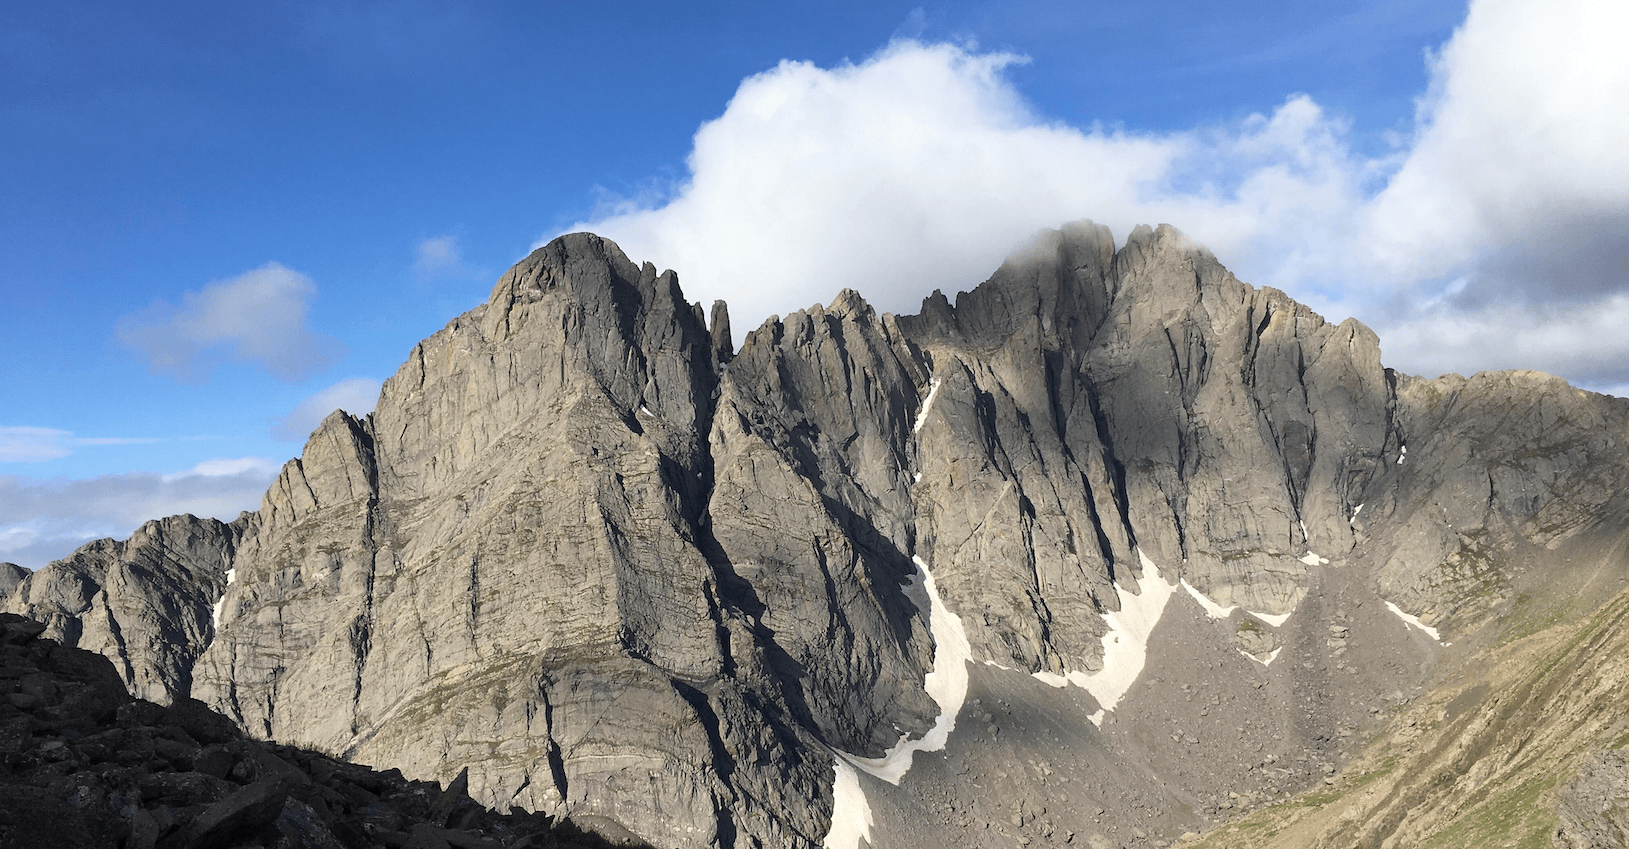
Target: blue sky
(223,220)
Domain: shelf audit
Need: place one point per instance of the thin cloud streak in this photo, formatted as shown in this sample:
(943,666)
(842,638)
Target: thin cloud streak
(38,444)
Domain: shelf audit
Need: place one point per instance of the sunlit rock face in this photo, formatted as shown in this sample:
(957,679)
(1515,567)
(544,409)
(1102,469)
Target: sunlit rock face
(628,574)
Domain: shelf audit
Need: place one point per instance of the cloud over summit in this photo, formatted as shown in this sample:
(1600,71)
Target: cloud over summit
(1503,212)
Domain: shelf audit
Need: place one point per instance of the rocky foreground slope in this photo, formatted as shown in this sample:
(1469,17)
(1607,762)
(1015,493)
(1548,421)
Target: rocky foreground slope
(1108,549)
(83,765)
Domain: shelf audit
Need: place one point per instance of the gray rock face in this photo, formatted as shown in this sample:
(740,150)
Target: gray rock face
(10,576)
(145,603)
(627,574)
(505,568)
(85,766)
(1594,807)
(1094,400)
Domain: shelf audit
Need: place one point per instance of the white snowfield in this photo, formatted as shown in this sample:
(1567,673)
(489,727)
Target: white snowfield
(927,406)
(215,617)
(1414,622)
(1212,609)
(1270,657)
(1125,646)
(1275,620)
(1216,611)
(946,685)
(850,813)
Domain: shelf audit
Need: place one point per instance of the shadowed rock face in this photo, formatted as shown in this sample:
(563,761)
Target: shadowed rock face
(86,766)
(625,573)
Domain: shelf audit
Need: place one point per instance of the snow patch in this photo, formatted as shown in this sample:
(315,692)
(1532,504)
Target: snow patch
(1403,456)
(927,405)
(215,614)
(1414,621)
(1125,646)
(1051,679)
(1270,657)
(645,411)
(1212,609)
(850,812)
(1275,620)
(946,685)
(1216,611)
(1312,559)
(1355,511)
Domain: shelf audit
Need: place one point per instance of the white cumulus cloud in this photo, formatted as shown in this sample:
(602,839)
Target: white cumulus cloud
(258,317)
(355,395)
(1504,214)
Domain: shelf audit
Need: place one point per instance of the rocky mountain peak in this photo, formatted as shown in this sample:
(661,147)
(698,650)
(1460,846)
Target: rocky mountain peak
(573,554)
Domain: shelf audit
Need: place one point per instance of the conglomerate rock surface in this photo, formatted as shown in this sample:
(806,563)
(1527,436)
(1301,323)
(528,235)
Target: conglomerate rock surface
(626,574)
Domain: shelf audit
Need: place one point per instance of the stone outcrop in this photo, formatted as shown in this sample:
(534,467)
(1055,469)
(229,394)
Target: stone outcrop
(627,574)
(145,602)
(10,576)
(1594,806)
(83,765)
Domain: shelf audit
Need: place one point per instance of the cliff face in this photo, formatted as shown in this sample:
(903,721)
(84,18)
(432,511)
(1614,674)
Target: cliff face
(144,603)
(626,574)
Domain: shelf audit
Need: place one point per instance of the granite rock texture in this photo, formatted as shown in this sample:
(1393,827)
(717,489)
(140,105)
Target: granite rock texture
(626,574)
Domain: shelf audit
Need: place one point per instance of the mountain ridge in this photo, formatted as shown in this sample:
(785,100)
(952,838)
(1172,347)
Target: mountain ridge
(624,572)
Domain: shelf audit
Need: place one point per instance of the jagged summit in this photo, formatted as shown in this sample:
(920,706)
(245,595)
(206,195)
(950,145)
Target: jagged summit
(621,583)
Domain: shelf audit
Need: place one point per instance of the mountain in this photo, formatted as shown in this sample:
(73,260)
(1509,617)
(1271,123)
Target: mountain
(1111,548)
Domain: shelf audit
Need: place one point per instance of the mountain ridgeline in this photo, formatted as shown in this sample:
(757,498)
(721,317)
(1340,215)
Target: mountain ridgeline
(1199,542)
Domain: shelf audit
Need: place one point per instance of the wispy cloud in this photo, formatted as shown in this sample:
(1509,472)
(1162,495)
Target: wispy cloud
(355,395)
(38,444)
(44,520)
(32,444)
(439,258)
(258,317)
(228,467)
(1504,213)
